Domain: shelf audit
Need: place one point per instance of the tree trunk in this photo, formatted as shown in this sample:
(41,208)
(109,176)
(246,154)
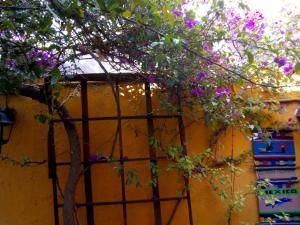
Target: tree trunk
(38,94)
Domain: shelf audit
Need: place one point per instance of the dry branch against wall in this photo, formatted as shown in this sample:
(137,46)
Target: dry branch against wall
(37,93)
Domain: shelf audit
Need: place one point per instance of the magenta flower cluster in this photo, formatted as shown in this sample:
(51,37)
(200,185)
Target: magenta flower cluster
(201,76)
(251,23)
(289,68)
(151,79)
(283,63)
(197,91)
(190,23)
(222,91)
(18,38)
(44,58)
(177,12)
(218,91)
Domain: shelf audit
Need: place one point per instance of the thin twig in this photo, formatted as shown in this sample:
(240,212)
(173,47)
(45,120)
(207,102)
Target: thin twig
(22,163)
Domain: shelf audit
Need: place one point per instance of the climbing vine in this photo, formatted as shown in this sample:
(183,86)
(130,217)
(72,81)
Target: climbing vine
(225,61)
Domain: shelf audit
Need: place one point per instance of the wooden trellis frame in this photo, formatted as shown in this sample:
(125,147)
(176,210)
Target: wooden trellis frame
(89,204)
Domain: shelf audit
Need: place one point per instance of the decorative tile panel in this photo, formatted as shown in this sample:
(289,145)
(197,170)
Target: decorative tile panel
(274,161)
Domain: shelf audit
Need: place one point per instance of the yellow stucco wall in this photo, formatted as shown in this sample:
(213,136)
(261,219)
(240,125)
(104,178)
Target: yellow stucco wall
(26,192)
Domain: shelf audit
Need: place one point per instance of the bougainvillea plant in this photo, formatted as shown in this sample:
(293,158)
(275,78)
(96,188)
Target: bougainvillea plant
(213,51)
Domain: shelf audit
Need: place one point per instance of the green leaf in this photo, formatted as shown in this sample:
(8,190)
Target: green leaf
(36,69)
(7,23)
(250,57)
(55,46)
(45,24)
(69,28)
(55,76)
(101,5)
(113,6)
(154,143)
(168,39)
(41,118)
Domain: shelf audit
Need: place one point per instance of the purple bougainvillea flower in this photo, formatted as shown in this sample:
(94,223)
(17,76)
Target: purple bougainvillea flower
(177,12)
(206,46)
(18,37)
(198,91)
(201,76)
(264,64)
(11,63)
(235,114)
(219,91)
(43,58)
(151,79)
(199,169)
(249,24)
(222,91)
(288,68)
(93,158)
(259,15)
(281,61)
(190,23)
